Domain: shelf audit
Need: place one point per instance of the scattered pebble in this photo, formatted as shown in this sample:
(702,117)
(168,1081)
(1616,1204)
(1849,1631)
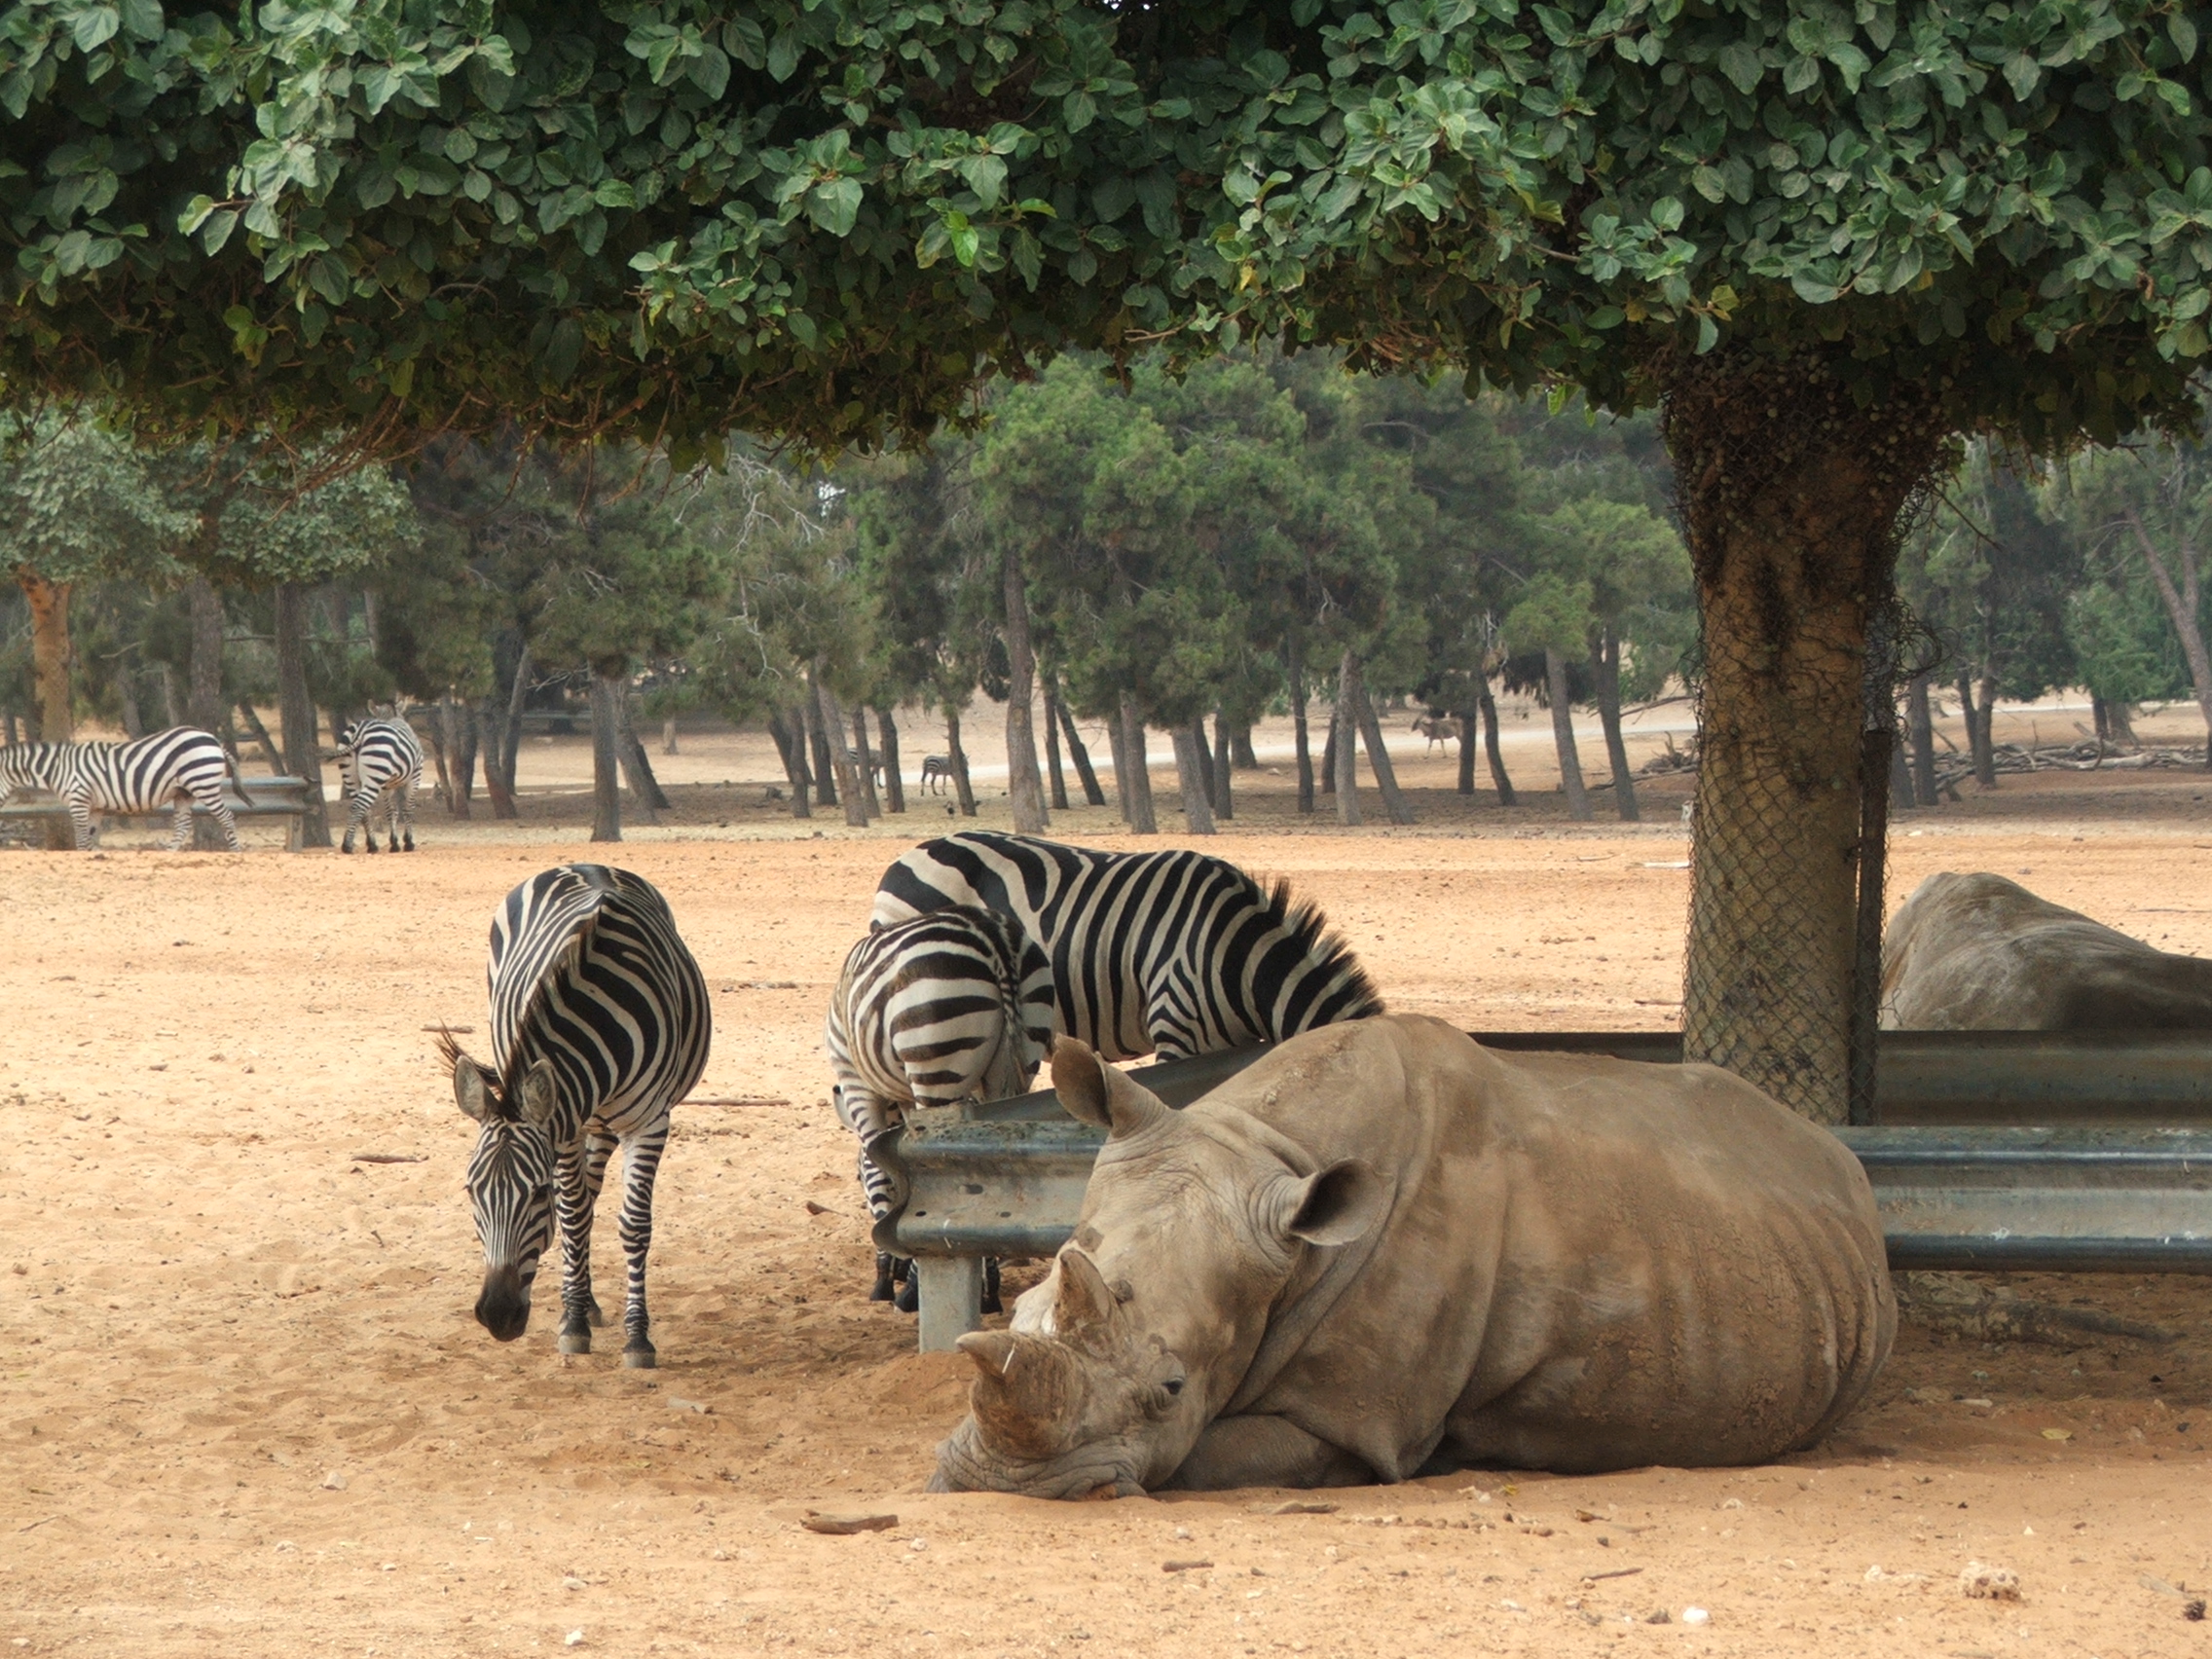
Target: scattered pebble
(1182,1532)
(575,1638)
(1659,1615)
(1695,1615)
(1294,1507)
(573,1582)
(699,1406)
(1983,1582)
(2193,1610)
(845,1526)
(334,1481)
(2058,1434)
(1184,1565)
(917,1543)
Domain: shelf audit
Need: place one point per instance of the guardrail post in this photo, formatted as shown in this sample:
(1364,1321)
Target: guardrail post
(951,1289)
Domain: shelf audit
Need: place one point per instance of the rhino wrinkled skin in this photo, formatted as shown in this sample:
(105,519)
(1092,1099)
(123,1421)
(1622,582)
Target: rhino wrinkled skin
(1980,953)
(1383,1250)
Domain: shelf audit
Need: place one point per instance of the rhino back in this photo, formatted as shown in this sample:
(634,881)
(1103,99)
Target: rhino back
(1588,1264)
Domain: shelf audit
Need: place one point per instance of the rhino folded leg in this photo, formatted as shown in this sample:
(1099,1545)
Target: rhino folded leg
(1266,1451)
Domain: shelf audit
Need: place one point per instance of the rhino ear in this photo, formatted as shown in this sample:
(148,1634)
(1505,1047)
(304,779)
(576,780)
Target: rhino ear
(1084,1303)
(1339,1204)
(1095,1093)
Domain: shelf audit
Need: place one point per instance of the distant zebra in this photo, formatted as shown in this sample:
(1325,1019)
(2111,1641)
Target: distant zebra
(951,1006)
(380,763)
(176,769)
(600,1024)
(1174,953)
(936,769)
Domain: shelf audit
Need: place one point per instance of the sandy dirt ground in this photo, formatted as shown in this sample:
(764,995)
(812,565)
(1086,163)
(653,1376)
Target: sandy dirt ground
(244,1411)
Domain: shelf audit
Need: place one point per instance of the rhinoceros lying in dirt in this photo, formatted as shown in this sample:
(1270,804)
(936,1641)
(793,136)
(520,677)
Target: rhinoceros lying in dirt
(1980,953)
(1382,1249)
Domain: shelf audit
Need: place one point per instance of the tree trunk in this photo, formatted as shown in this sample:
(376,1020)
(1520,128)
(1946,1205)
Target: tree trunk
(269,750)
(1901,791)
(668,735)
(204,692)
(1329,754)
(1054,776)
(460,733)
(962,785)
(606,694)
(1923,724)
(864,761)
(518,693)
(172,712)
(1470,727)
(488,735)
(1204,753)
(644,788)
(1241,747)
(1394,802)
(51,653)
(1301,739)
(810,710)
(1141,819)
(1491,750)
(1092,794)
(1606,670)
(1980,728)
(2182,607)
(2121,718)
(1344,739)
(444,787)
(1563,737)
(1790,495)
(791,745)
(894,782)
(832,723)
(1191,775)
(1224,757)
(1025,783)
(127,691)
(1115,739)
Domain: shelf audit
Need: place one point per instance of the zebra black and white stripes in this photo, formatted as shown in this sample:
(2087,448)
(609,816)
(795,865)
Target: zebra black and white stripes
(600,1024)
(381,764)
(941,1008)
(175,770)
(1173,952)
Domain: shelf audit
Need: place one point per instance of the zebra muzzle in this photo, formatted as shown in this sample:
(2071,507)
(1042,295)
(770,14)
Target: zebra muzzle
(502,1306)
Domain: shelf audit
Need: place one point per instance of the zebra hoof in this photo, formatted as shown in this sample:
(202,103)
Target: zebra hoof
(575,1342)
(597,1316)
(883,1291)
(909,1297)
(640,1359)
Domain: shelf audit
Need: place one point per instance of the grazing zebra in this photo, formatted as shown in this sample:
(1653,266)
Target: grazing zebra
(1174,953)
(954,1005)
(380,763)
(936,769)
(599,1025)
(177,769)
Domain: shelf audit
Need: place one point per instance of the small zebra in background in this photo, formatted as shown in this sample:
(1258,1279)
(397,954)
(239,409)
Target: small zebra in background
(175,770)
(936,769)
(600,1024)
(955,1005)
(1174,953)
(381,764)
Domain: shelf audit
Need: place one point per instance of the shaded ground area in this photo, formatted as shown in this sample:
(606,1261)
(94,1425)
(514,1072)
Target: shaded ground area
(246,1410)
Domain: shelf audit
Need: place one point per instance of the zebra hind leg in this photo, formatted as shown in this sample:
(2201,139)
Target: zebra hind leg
(884,1290)
(575,1195)
(991,1303)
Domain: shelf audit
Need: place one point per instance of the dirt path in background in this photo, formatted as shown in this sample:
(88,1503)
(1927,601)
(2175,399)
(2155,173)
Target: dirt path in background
(245,1411)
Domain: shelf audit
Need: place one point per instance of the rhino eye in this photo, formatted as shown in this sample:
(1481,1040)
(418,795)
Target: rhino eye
(1173,1385)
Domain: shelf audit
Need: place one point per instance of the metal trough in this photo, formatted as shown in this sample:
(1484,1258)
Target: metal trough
(2092,1187)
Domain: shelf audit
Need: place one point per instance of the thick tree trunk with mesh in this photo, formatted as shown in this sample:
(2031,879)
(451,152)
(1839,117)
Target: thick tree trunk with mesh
(204,692)
(1790,494)
(295,711)
(49,654)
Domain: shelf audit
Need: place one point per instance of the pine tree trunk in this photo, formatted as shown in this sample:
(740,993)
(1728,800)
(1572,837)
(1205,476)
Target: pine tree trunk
(1120,750)
(1141,819)
(1605,670)
(791,745)
(962,785)
(2120,717)
(1470,727)
(489,732)
(1790,495)
(1981,725)
(1329,754)
(203,689)
(1343,735)
(606,694)
(460,733)
(1204,753)
(1923,726)
(1054,773)
(172,712)
(1563,737)
(1191,775)
(1092,794)
(1301,740)
(1902,792)
(1224,757)
(817,745)
(894,782)
(668,735)
(842,758)
(518,693)
(127,691)
(1241,748)
(1488,705)
(260,735)
(2183,608)
(864,762)
(51,653)
(1025,783)
(1394,803)
(644,788)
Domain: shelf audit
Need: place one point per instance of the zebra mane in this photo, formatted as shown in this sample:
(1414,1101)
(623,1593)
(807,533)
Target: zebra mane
(1323,944)
(494,1087)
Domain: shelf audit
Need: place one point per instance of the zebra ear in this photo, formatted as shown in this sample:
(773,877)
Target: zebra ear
(470,1091)
(537,1095)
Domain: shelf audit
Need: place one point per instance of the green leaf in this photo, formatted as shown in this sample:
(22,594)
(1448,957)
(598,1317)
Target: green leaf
(216,229)
(985,176)
(143,20)
(783,55)
(710,72)
(1708,335)
(1079,109)
(835,206)
(2183,35)
(1607,316)
(1667,213)
(564,350)
(802,328)
(95,26)
(1811,289)
(1709,183)
(1742,65)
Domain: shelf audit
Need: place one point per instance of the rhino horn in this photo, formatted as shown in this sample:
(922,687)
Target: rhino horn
(1096,1093)
(1026,1394)
(1084,1306)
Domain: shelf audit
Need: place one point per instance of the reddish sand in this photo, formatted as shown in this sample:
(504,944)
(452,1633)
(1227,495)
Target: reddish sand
(246,1412)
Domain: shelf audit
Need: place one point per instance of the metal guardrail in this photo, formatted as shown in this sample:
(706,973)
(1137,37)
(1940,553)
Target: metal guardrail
(2091,1188)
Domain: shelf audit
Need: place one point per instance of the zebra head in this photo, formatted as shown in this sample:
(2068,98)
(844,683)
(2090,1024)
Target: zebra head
(510,1185)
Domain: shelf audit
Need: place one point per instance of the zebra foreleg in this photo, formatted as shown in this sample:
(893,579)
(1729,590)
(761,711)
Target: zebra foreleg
(576,1198)
(890,1272)
(640,1163)
(180,823)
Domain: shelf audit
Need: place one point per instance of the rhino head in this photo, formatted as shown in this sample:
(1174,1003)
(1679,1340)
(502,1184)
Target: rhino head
(1193,1224)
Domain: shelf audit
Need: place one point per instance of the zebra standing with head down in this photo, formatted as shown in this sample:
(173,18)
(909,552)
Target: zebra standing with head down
(174,770)
(951,1006)
(600,1024)
(381,764)
(1174,952)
